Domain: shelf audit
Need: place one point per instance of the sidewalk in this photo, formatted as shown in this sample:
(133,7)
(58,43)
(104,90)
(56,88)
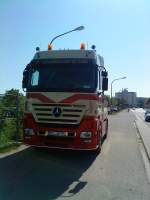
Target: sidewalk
(144,132)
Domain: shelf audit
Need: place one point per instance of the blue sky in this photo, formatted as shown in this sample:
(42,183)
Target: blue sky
(120,29)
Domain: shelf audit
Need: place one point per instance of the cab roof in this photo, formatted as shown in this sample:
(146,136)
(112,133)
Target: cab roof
(62,54)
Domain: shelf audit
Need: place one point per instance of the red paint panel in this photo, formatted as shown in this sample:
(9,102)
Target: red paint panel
(41,97)
(80,96)
(70,99)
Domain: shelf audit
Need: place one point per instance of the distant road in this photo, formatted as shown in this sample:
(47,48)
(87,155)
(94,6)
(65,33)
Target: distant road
(139,112)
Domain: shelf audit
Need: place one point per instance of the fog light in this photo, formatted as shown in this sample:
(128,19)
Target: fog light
(85,134)
(28,131)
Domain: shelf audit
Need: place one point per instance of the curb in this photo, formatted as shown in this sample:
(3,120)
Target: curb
(14,151)
(144,133)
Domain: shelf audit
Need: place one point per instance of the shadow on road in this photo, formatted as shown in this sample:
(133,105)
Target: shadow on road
(42,175)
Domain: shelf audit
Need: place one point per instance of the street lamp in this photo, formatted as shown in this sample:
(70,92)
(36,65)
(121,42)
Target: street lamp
(112,84)
(80,28)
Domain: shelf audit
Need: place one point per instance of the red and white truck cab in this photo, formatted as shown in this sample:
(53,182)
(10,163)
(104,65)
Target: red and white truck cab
(65,103)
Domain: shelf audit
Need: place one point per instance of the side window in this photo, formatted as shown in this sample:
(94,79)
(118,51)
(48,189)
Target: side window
(35,78)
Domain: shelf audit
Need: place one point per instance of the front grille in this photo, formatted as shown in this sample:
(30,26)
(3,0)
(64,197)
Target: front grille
(58,120)
(71,114)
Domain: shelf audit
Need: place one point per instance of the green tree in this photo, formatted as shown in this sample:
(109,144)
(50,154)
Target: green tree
(10,99)
(11,112)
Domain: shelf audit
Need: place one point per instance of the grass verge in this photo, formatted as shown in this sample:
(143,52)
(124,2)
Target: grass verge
(9,146)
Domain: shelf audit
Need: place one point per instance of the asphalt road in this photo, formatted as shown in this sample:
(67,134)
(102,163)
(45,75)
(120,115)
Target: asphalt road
(118,173)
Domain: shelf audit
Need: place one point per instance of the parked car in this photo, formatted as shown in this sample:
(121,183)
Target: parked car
(147,112)
(112,109)
(115,109)
(147,117)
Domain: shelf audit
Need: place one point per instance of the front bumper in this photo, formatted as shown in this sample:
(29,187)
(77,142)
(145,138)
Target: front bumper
(74,143)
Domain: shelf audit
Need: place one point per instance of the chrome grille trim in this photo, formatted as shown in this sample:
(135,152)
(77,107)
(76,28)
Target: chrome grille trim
(71,113)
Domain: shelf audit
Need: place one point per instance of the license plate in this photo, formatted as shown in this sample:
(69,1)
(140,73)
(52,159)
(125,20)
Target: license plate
(57,134)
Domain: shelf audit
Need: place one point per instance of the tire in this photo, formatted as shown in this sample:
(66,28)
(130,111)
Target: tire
(98,150)
(106,130)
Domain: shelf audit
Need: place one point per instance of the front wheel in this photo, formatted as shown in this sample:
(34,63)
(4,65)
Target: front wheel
(99,143)
(106,129)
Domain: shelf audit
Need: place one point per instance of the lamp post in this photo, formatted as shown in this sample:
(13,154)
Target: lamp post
(80,28)
(112,84)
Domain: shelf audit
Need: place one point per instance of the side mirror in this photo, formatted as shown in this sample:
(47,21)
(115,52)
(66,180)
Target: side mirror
(25,76)
(105,84)
(104,73)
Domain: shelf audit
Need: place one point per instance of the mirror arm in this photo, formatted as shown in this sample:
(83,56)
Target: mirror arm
(99,93)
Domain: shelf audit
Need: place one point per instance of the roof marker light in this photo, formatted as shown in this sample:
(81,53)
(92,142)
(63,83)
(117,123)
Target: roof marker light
(37,48)
(50,47)
(93,47)
(82,46)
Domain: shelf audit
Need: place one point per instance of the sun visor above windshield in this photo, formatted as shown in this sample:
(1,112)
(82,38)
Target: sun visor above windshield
(64,54)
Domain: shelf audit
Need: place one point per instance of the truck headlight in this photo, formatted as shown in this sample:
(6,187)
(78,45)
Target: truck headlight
(85,134)
(28,132)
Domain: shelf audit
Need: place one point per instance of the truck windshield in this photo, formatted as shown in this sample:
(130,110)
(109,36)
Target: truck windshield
(62,77)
